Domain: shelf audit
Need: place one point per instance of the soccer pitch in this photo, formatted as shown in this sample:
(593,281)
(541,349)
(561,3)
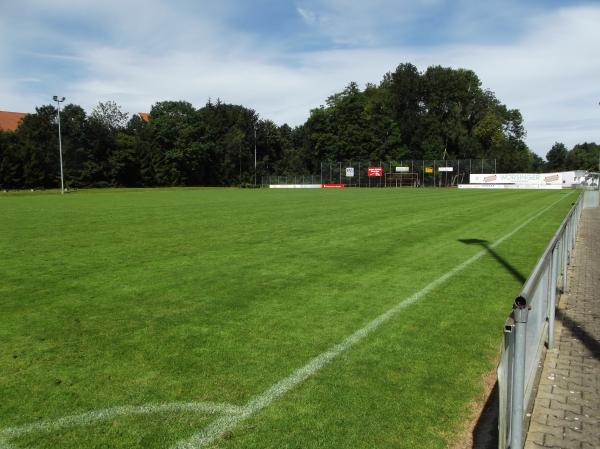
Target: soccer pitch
(184,318)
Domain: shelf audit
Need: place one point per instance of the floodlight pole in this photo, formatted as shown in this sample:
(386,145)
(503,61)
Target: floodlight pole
(255,155)
(62,179)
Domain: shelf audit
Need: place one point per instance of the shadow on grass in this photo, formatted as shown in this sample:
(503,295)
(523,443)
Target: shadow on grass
(485,433)
(485,245)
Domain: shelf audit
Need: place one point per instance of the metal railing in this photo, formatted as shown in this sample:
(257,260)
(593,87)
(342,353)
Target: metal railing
(530,326)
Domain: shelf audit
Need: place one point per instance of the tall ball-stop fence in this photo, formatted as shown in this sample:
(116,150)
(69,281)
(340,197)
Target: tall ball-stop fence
(403,173)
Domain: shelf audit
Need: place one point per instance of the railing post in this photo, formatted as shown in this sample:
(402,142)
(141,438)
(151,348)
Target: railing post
(520,313)
(565,251)
(553,286)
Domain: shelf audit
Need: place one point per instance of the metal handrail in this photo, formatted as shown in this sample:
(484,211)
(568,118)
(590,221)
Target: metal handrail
(544,260)
(532,316)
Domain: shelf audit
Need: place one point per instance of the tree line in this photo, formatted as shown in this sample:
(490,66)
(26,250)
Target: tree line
(441,112)
(583,156)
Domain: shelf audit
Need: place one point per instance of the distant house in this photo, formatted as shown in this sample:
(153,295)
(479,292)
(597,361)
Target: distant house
(9,121)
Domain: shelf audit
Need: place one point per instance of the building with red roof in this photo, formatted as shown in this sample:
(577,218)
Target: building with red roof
(9,121)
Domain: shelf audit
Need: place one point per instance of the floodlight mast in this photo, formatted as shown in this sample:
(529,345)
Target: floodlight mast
(59,100)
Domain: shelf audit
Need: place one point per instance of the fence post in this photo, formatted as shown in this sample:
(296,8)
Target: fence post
(520,312)
(321,173)
(359,174)
(552,305)
(566,250)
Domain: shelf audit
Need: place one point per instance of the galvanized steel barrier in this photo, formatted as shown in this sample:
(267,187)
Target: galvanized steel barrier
(530,326)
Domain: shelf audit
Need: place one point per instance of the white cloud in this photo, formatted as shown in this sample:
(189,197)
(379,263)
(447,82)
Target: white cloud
(308,16)
(156,53)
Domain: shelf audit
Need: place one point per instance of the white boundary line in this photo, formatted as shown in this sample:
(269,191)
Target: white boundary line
(227,423)
(233,414)
(111,413)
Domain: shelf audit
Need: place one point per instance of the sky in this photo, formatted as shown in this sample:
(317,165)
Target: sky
(284,58)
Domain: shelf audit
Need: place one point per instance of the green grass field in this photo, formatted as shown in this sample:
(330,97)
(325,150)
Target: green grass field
(203,317)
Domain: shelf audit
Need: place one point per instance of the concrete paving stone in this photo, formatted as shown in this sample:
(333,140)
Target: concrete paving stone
(563,383)
(563,368)
(566,393)
(540,418)
(547,430)
(536,437)
(579,401)
(551,441)
(552,396)
(555,421)
(580,386)
(587,411)
(552,412)
(575,408)
(591,428)
(534,445)
(588,446)
(578,435)
(572,360)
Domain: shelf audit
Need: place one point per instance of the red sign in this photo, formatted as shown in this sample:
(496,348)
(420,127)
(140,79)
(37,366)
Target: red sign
(333,186)
(375,171)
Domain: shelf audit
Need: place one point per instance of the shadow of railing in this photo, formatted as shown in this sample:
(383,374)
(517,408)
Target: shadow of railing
(485,432)
(485,244)
(578,331)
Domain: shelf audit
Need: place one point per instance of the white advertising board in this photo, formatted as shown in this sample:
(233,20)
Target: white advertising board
(510,186)
(402,169)
(294,186)
(529,179)
(445,168)
(349,172)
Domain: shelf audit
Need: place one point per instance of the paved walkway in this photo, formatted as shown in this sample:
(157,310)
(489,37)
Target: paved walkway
(566,413)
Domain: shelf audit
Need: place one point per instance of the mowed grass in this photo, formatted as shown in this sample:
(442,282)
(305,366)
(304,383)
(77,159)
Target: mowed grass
(130,297)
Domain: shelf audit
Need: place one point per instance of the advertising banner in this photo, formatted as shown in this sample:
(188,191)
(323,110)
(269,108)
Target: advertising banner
(531,179)
(375,171)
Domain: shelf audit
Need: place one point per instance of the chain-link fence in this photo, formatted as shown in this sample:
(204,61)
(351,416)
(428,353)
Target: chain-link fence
(404,173)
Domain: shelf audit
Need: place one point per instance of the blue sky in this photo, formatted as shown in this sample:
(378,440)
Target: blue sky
(283,58)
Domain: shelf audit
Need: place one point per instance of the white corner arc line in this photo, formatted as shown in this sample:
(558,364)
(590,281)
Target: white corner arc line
(114,412)
(226,423)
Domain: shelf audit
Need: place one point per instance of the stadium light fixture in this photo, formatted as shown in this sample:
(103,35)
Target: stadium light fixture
(59,100)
